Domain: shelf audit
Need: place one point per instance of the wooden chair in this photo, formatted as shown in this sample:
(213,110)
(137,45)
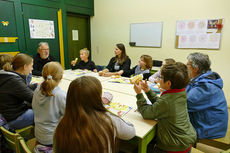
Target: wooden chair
(27,132)
(11,139)
(194,150)
(227,151)
(23,148)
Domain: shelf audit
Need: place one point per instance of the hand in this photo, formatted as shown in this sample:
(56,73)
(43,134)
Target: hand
(105,70)
(101,73)
(145,86)
(73,62)
(108,74)
(94,70)
(120,72)
(137,88)
(157,80)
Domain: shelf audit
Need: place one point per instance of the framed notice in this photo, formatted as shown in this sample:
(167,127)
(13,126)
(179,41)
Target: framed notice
(41,29)
(204,33)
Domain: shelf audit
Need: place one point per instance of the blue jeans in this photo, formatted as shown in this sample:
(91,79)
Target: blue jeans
(28,78)
(22,121)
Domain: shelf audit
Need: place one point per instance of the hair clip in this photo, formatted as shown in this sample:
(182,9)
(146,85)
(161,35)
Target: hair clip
(49,77)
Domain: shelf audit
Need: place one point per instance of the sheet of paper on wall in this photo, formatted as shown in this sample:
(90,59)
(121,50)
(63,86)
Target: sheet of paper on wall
(41,29)
(199,33)
(75,34)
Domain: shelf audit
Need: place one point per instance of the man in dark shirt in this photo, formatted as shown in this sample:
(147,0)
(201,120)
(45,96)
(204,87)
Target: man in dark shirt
(41,58)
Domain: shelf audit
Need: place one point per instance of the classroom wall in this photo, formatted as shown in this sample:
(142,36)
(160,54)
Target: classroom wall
(17,13)
(111,24)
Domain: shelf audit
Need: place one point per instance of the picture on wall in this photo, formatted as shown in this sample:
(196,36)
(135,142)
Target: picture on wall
(41,29)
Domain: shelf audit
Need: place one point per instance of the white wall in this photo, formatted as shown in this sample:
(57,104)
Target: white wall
(111,25)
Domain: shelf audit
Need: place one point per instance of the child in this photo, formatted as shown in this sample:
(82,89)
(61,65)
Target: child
(48,103)
(154,78)
(174,130)
(144,67)
(5,61)
(87,127)
(84,63)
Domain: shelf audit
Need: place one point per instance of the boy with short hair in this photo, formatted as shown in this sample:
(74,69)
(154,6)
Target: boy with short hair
(175,133)
(85,63)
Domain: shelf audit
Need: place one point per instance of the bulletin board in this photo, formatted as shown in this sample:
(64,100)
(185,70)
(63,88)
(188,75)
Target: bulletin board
(201,34)
(146,34)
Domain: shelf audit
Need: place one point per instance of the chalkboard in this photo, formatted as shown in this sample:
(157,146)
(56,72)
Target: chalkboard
(146,34)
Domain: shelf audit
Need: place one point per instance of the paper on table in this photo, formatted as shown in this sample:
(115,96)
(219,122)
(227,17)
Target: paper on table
(120,80)
(36,80)
(117,108)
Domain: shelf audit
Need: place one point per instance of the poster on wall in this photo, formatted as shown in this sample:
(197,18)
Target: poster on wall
(204,33)
(41,29)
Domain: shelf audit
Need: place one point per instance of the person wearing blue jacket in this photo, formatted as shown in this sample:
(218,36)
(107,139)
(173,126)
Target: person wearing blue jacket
(206,102)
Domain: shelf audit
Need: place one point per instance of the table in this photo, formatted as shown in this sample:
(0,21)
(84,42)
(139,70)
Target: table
(73,74)
(119,87)
(145,129)
(124,94)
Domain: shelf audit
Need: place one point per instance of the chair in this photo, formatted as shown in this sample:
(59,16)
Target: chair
(27,132)
(23,148)
(11,139)
(100,67)
(156,66)
(194,150)
(227,151)
(157,63)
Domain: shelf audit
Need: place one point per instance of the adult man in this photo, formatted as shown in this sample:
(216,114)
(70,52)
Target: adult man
(41,58)
(206,102)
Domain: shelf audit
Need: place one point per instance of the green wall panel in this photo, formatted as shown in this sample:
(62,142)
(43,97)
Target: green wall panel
(46,3)
(17,12)
(81,3)
(7,14)
(41,13)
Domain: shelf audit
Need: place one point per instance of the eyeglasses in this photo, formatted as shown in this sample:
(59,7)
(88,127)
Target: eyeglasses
(45,49)
(189,64)
(161,77)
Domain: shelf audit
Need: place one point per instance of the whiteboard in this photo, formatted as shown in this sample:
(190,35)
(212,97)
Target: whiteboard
(146,34)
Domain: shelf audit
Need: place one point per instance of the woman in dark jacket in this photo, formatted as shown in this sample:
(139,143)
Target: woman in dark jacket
(16,94)
(118,64)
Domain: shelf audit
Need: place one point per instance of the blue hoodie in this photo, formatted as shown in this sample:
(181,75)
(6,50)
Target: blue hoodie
(207,106)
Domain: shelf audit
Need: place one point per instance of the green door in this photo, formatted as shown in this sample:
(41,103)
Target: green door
(78,34)
(46,14)
(8,26)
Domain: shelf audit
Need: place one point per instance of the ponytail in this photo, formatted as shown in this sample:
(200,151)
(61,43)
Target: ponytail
(5,62)
(7,66)
(52,73)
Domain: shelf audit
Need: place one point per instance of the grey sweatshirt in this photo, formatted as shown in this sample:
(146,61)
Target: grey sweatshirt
(47,112)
